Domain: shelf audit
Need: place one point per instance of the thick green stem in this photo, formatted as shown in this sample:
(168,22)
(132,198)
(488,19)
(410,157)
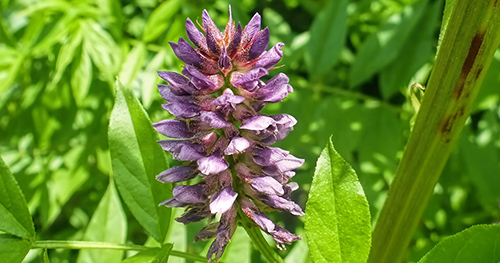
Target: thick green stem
(469,41)
(70,244)
(258,240)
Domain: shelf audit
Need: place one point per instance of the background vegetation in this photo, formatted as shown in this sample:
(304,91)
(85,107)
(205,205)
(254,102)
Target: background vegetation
(351,63)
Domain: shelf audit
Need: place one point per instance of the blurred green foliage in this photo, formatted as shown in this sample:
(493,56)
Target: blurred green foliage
(351,63)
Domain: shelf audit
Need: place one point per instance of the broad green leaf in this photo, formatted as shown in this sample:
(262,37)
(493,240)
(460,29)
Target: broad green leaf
(480,243)
(108,224)
(133,64)
(328,33)
(13,249)
(158,21)
(337,220)
(413,55)
(137,159)
(152,255)
(15,218)
(382,47)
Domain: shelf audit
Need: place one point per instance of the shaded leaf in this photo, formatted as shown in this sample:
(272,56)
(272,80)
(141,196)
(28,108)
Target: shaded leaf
(383,46)
(15,217)
(108,224)
(328,33)
(137,159)
(479,243)
(13,249)
(337,219)
(415,52)
(152,255)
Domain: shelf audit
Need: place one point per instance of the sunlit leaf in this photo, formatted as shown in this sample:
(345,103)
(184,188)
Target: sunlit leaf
(158,21)
(476,244)
(13,249)
(81,78)
(15,218)
(108,224)
(328,33)
(137,159)
(337,215)
(133,64)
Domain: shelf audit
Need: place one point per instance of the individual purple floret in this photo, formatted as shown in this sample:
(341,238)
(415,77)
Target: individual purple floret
(220,135)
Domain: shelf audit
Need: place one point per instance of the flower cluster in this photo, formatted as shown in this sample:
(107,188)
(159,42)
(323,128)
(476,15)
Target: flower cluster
(221,135)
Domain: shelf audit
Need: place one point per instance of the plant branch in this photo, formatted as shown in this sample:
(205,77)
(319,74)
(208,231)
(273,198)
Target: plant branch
(70,244)
(468,43)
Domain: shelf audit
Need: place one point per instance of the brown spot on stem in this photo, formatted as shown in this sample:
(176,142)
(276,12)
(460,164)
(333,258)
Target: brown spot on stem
(468,63)
(479,70)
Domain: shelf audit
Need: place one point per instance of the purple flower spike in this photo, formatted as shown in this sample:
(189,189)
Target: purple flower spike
(194,35)
(223,137)
(173,129)
(259,45)
(177,174)
(186,53)
(212,165)
(222,200)
(270,58)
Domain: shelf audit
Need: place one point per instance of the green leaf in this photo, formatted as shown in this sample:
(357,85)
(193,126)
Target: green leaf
(153,255)
(382,47)
(479,243)
(337,220)
(67,53)
(81,78)
(45,256)
(413,55)
(328,33)
(158,21)
(133,64)
(15,217)
(108,224)
(13,249)
(137,158)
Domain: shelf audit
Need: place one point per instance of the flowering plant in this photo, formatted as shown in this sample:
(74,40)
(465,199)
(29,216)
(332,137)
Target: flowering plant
(223,137)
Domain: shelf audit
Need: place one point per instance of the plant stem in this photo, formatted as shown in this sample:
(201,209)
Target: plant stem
(469,41)
(258,240)
(70,244)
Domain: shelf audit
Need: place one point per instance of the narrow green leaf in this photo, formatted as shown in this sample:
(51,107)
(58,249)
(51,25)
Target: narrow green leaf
(67,53)
(414,54)
(108,224)
(382,47)
(479,243)
(153,255)
(45,256)
(328,33)
(82,77)
(137,159)
(133,64)
(158,21)
(337,220)
(13,72)
(12,249)
(15,217)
